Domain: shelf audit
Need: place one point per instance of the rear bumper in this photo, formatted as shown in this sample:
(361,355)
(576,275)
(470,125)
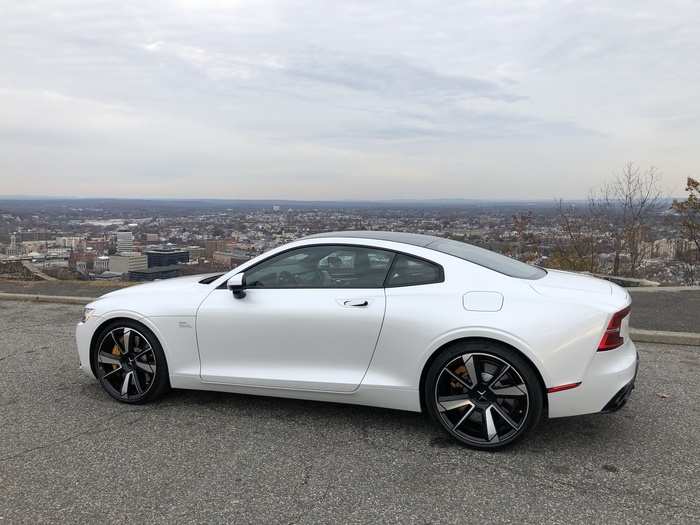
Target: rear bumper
(606,386)
(620,399)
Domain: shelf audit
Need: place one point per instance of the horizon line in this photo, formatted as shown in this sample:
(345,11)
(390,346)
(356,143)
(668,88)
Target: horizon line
(288,200)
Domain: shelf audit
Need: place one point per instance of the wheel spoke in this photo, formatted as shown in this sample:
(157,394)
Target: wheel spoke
(141,354)
(505,416)
(491,433)
(457,378)
(116,342)
(137,382)
(125,383)
(127,340)
(111,372)
(447,403)
(465,416)
(146,367)
(509,391)
(500,373)
(470,364)
(104,357)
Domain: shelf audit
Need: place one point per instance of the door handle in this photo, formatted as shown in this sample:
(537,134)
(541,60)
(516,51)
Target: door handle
(355,302)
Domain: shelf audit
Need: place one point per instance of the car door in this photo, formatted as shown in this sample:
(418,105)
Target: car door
(310,320)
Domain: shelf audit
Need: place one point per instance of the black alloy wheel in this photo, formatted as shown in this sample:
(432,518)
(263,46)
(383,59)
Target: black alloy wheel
(484,394)
(129,363)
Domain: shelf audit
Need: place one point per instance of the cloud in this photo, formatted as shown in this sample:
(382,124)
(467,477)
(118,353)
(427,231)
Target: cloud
(393,77)
(273,91)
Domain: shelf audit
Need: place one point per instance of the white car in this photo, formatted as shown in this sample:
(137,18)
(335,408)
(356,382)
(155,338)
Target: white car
(485,344)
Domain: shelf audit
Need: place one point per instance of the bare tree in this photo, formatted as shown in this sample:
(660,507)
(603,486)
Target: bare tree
(577,247)
(521,224)
(689,210)
(628,202)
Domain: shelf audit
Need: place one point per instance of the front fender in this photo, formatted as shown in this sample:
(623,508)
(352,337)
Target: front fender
(104,318)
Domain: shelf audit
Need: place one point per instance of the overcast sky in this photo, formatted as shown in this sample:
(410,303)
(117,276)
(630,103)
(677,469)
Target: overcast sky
(345,100)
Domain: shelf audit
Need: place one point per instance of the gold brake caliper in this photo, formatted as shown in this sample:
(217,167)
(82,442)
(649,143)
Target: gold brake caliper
(116,352)
(461,371)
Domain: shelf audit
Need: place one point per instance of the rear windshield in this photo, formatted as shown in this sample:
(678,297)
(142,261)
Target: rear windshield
(488,259)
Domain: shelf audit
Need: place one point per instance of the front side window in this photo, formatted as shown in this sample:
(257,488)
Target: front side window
(410,271)
(323,267)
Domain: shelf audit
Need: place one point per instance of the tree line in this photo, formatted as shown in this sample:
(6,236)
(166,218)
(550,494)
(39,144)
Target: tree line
(616,219)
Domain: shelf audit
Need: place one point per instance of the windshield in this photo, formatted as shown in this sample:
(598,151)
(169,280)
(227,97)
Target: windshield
(488,259)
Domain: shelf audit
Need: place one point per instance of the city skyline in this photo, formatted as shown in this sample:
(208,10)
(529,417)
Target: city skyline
(352,101)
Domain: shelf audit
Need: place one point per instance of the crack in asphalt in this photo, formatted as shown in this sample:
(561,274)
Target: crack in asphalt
(87,432)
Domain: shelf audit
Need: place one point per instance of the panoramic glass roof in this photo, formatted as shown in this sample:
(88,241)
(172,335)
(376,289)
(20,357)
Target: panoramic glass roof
(468,252)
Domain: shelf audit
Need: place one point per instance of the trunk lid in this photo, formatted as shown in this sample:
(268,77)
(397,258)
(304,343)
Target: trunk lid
(557,281)
(583,288)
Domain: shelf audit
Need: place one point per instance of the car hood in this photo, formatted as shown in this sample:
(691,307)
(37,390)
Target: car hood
(165,285)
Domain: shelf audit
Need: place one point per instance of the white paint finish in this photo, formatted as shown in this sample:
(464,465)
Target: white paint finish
(179,296)
(307,339)
(607,374)
(482,301)
(310,344)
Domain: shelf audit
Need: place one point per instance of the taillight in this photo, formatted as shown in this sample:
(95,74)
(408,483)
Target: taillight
(612,338)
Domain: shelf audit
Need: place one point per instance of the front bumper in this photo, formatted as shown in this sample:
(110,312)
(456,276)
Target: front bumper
(83,337)
(609,377)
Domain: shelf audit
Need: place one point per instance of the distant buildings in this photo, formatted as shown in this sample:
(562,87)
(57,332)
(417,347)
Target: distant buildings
(15,249)
(161,262)
(166,256)
(125,241)
(157,272)
(196,253)
(81,262)
(216,245)
(127,262)
(231,258)
(101,264)
(72,243)
(77,242)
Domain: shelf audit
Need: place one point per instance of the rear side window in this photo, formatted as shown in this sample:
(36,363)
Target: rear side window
(410,271)
(488,259)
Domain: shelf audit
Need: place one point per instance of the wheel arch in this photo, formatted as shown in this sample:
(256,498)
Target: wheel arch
(484,339)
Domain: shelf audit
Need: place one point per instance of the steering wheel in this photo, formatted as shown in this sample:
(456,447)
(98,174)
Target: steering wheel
(285,278)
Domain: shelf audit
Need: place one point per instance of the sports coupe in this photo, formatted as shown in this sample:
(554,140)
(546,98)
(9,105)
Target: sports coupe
(485,344)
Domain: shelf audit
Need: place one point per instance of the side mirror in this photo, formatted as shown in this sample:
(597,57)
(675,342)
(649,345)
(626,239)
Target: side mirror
(237,285)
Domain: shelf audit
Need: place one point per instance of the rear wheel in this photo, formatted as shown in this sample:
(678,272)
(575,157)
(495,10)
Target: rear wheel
(484,394)
(129,362)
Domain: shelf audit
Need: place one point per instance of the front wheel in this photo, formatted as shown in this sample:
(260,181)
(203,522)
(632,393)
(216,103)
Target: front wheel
(484,394)
(129,362)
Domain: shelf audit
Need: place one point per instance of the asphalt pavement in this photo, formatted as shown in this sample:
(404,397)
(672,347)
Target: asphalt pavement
(69,453)
(672,311)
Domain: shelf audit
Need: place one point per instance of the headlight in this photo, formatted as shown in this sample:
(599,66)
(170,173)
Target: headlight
(87,314)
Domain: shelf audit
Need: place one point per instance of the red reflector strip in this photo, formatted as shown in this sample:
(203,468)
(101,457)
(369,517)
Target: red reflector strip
(559,388)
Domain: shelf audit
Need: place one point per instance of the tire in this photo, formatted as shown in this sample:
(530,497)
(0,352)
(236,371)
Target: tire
(483,393)
(129,362)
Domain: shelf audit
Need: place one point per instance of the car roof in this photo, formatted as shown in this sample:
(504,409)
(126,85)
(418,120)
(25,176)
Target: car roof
(467,252)
(416,239)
